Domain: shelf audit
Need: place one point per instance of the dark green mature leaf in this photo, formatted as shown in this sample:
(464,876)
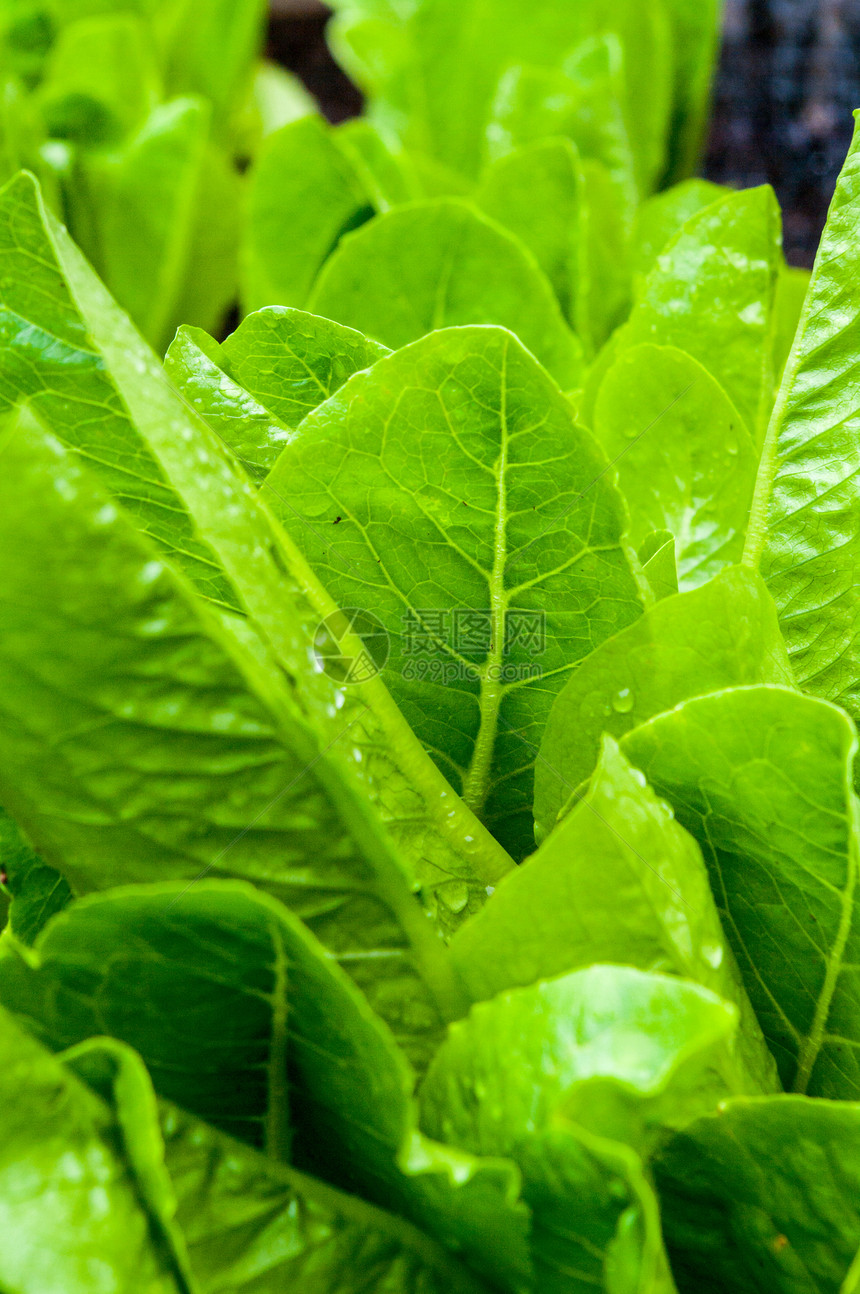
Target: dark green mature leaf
(143,739)
(278,366)
(220,990)
(197,981)
(305,194)
(685,460)
(711,294)
(618,880)
(73,1206)
(714,637)
(762,777)
(438,264)
(67,347)
(37,890)
(255,1227)
(478,524)
(619,1054)
(803,530)
(761,1198)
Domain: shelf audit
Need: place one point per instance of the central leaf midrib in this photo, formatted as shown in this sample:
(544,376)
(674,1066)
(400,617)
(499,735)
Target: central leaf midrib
(476,784)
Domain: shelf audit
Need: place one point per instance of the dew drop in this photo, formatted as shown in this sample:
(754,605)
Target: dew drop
(454,895)
(622,702)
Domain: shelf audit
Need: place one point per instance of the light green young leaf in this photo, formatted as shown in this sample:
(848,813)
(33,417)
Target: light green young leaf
(143,739)
(721,635)
(544,176)
(386,172)
(695,27)
(72,1204)
(256,1227)
(685,460)
(711,294)
(257,386)
(198,367)
(440,264)
(761,1198)
(791,289)
(277,98)
(582,101)
(100,81)
(68,349)
(608,1053)
(152,213)
(444,464)
(449,81)
(660,217)
(304,195)
(616,881)
(803,530)
(761,776)
(37,891)
(659,567)
(209,47)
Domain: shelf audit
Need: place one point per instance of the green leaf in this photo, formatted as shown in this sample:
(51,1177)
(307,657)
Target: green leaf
(660,217)
(695,30)
(153,213)
(197,981)
(221,990)
(803,529)
(67,348)
(478,524)
(439,264)
(714,637)
(582,101)
(617,1054)
(388,175)
(542,176)
(762,778)
(37,890)
(685,460)
(209,47)
(616,881)
(791,289)
(72,1203)
(255,1227)
(711,294)
(761,1198)
(304,196)
(158,744)
(276,368)
(442,81)
(100,81)
(659,567)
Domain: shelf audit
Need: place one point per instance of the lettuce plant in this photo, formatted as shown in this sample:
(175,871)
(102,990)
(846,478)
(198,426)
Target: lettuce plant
(429,823)
(138,115)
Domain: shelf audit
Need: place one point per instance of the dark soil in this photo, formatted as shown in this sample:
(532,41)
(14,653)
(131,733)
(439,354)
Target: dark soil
(789,78)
